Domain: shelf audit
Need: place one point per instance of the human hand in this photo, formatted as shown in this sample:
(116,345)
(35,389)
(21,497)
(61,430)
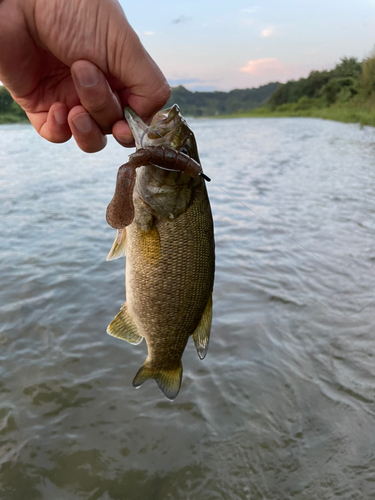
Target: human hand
(74,65)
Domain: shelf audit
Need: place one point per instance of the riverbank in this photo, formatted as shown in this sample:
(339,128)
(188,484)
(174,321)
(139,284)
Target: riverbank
(9,118)
(362,114)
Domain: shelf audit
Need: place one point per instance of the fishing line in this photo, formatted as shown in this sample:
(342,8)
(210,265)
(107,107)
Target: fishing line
(164,168)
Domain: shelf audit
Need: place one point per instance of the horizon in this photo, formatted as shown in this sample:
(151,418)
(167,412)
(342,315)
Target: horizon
(225,91)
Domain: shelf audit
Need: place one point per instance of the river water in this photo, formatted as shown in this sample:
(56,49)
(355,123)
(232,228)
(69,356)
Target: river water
(282,407)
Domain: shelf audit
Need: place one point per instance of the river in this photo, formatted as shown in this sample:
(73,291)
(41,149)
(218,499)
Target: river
(282,407)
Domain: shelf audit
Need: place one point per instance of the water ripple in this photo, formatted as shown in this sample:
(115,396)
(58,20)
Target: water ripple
(284,404)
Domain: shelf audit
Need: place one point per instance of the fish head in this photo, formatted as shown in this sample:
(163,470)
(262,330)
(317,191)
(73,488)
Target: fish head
(167,128)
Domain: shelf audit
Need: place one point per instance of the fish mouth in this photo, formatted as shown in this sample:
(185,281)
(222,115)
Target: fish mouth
(167,128)
(137,126)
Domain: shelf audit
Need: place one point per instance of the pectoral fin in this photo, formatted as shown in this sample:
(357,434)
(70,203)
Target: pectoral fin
(149,247)
(118,247)
(124,328)
(201,334)
(169,381)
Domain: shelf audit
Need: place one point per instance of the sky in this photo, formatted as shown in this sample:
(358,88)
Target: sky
(223,45)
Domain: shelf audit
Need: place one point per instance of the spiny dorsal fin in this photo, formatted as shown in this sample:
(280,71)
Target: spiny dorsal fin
(169,381)
(201,334)
(124,328)
(118,247)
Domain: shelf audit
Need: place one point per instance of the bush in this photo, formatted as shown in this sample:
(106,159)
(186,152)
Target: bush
(367,79)
(6,101)
(341,89)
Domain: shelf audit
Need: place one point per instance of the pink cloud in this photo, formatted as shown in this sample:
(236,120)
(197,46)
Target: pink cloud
(266,67)
(267,32)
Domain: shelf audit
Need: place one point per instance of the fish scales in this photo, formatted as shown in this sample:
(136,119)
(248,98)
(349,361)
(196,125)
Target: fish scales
(171,295)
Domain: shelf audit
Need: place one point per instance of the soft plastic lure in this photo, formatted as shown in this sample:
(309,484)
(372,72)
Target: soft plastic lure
(120,211)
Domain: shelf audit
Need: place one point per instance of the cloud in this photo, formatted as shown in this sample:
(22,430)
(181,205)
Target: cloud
(150,33)
(250,10)
(181,19)
(266,67)
(267,32)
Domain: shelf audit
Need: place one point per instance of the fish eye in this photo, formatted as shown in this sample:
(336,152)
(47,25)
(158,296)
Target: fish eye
(183,149)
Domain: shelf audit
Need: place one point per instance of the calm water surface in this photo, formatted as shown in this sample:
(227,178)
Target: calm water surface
(284,404)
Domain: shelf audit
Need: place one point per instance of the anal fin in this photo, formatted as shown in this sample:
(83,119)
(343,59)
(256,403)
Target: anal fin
(201,334)
(169,381)
(123,327)
(118,247)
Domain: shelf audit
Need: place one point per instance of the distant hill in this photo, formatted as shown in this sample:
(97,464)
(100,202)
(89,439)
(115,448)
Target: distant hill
(191,103)
(220,103)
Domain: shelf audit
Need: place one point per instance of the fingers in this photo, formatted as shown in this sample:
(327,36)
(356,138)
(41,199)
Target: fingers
(86,131)
(52,125)
(58,125)
(100,107)
(122,133)
(95,94)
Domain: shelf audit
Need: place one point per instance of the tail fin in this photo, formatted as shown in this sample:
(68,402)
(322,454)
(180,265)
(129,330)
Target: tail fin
(169,381)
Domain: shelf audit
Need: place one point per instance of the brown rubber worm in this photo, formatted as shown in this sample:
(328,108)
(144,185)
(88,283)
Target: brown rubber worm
(120,211)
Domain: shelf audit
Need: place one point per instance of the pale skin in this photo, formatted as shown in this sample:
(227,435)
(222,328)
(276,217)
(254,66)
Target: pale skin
(73,65)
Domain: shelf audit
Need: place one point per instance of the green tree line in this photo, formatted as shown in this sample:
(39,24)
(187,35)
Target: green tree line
(10,111)
(321,88)
(346,93)
(220,103)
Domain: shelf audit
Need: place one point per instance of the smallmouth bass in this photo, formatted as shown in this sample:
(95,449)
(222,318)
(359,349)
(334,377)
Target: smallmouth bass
(169,245)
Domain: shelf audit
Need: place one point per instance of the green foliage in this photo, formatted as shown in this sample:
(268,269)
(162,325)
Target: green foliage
(339,89)
(10,111)
(220,103)
(346,93)
(292,91)
(339,84)
(6,100)
(367,79)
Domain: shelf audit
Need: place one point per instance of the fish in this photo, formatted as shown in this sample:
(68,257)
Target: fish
(163,218)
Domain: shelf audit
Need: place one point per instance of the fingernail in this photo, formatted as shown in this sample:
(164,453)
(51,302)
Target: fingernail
(125,140)
(83,122)
(60,115)
(87,76)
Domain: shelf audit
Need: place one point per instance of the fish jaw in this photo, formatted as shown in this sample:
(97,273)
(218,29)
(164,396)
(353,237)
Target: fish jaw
(159,132)
(168,128)
(136,124)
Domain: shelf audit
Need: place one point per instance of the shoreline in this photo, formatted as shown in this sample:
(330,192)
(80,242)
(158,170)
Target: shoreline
(8,119)
(344,114)
(360,115)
